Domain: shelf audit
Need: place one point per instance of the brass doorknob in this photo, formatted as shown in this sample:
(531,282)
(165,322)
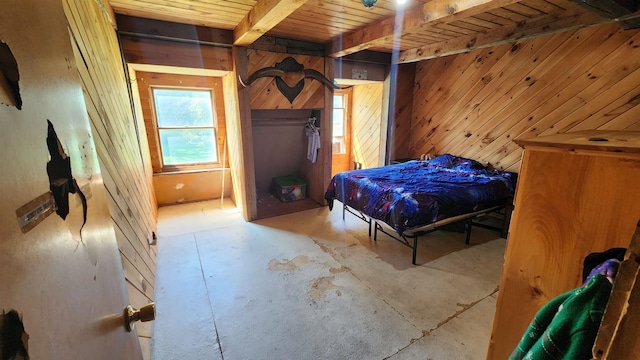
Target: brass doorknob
(144,314)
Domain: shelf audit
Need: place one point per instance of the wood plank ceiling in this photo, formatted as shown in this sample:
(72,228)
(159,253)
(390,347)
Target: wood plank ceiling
(415,31)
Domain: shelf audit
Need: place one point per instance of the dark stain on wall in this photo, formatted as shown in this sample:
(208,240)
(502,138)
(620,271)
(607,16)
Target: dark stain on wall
(9,75)
(13,338)
(61,182)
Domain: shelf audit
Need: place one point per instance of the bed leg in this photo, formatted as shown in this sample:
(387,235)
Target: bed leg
(344,210)
(508,209)
(415,250)
(369,227)
(375,231)
(469,224)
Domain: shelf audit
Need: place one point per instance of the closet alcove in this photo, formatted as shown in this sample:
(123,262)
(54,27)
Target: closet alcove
(280,147)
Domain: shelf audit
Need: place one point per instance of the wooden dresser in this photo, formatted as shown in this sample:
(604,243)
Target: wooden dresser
(577,193)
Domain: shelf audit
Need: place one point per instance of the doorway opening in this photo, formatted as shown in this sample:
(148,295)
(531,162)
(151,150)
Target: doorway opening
(357,141)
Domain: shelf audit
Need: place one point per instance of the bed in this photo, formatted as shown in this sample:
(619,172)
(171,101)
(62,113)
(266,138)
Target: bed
(413,198)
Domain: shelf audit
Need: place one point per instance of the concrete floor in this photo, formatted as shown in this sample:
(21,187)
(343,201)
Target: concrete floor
(310,286)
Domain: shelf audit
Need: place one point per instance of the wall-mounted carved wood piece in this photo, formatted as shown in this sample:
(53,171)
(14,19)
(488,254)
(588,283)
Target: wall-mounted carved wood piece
(290,76)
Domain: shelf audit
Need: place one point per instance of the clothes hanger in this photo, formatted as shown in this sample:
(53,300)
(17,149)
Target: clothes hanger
(311,124)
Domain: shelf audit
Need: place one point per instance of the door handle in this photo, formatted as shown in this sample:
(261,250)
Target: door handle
(144,314)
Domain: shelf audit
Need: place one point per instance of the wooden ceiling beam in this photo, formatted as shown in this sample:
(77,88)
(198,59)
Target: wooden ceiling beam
(541,26)
(265,15)
(431,13)
(615,10)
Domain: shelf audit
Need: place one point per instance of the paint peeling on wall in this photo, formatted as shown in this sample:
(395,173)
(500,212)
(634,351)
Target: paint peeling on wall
(61,182)
(13,339)
(9,78)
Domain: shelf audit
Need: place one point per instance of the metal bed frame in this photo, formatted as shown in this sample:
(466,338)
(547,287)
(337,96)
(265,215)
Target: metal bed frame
(415,233)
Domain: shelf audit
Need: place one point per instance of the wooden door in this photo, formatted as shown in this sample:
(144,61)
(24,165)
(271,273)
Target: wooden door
(64,278)
(341,140)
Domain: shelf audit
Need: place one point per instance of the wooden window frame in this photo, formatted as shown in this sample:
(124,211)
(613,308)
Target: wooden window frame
(181,167)
(346,120)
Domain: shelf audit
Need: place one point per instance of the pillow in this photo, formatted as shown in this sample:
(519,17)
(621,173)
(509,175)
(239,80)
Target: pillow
(467,164)
(442,161)
(449,161)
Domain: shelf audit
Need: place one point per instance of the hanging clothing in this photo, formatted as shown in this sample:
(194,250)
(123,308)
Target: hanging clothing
(566,327)
(313,143)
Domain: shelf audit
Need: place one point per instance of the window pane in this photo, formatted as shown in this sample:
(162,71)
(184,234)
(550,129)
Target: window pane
(183,107)
(188,146)
(338,146)
(338,122)
(337,101)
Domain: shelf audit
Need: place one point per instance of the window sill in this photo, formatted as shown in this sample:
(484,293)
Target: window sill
(190,171)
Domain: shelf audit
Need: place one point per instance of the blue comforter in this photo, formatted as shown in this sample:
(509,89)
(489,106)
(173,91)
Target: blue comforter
(417,193)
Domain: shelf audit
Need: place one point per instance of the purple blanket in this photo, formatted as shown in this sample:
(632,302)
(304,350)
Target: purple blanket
(417,193)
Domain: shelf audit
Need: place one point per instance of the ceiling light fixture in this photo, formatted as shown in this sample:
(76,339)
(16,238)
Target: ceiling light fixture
(401,2)
(368,3)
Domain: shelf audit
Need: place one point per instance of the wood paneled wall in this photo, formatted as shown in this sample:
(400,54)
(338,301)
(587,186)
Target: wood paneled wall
(265,94)
(184,187)
(475,104)
(365,127)
(402,80)
(103,76)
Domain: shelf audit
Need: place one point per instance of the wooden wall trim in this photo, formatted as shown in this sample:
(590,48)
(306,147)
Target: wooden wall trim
(139,50)
(326,132)
(166,30)
(384,124)
(240,137)
(143,142)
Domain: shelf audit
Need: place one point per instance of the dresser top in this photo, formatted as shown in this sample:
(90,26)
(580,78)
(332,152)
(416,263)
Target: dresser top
(614,141)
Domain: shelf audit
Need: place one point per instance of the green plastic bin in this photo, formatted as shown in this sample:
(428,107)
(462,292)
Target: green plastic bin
(290,188)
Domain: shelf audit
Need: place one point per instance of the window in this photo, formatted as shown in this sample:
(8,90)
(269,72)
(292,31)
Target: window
(339,123)
(186,126)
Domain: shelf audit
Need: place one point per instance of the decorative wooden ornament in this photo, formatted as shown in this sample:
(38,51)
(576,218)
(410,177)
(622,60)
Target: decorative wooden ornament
(290,76)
